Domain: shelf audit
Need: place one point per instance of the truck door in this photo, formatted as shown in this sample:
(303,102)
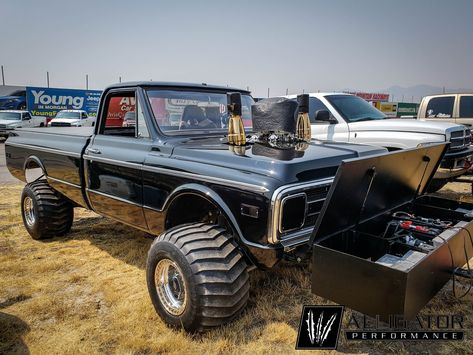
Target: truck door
(27,120)
(336,129)
(114,159)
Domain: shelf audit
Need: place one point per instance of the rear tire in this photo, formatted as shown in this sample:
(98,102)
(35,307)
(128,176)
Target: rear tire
(45,212)
(197,278)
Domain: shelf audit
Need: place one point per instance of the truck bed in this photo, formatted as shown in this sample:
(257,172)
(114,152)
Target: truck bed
(57,150)
(68,131)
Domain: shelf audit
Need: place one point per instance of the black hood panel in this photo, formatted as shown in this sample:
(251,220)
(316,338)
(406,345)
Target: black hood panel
(292,164)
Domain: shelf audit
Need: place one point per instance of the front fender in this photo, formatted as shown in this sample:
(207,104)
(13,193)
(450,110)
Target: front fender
(215,199)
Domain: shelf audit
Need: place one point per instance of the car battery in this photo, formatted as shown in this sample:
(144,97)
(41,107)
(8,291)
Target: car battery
(382,247)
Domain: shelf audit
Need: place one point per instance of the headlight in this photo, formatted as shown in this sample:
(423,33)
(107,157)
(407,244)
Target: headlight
(293,211)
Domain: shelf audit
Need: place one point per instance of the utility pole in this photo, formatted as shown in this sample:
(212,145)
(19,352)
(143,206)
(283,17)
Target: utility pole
(87,81)
(119,79)
(3,77)
(268,92)
(47,77)
(287,91)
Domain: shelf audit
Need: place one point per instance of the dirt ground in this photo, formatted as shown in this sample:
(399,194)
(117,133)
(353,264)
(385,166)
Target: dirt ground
(86,293)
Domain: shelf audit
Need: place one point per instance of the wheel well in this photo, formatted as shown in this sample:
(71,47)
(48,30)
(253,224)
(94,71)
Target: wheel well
(34,169)
(191,207)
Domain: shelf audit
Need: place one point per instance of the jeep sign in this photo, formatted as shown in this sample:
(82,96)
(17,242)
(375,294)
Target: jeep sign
(49,101)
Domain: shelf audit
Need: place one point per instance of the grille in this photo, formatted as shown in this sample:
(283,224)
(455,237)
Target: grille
(60,124)
(460,139)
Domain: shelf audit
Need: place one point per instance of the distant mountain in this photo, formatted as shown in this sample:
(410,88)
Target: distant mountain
(417,92)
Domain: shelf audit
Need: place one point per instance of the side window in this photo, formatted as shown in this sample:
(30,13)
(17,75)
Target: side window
(315,105)
(119,114)
(439,107)
(141,129)
(466,106)
(26,116)
(84,115)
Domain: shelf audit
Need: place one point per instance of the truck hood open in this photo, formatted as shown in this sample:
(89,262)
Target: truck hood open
(405,125)
(366,188)
(293,164)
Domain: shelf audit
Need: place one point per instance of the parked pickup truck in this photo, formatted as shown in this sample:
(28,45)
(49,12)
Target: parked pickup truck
(457,108)
(12,119)
(216,209)
(72,118)
(347,118)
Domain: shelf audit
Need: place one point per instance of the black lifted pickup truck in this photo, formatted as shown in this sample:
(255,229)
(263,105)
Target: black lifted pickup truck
(217,208)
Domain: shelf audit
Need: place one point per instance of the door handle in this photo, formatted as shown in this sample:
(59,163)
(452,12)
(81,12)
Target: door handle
(93,151)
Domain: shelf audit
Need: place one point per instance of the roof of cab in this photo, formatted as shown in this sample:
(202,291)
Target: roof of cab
(175,84)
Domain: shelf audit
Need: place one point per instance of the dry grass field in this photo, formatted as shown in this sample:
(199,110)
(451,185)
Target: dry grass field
(86,293)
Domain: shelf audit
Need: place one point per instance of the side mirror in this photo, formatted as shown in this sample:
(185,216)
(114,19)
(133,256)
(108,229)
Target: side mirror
(323,115)
(26,118)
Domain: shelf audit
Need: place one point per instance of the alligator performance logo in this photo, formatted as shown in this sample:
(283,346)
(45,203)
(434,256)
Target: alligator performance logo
(319,327)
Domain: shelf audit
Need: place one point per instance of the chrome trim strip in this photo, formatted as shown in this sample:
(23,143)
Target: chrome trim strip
(153,169)
(43,149)
(114,197)
(275,210)
(211,179)
(125,164)
(64,182)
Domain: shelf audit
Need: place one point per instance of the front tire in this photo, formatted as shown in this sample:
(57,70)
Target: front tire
(45,212)
(197,278)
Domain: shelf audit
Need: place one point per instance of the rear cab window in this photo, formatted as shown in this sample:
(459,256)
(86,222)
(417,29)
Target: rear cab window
(466,106)
(440,107)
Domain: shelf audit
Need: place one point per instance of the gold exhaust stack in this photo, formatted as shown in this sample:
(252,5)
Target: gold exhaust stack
(236,131)
(303,131)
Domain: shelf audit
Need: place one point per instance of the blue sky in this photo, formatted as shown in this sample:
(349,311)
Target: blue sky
(298,44)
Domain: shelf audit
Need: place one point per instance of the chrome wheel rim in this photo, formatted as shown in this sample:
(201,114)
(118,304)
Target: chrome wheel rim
(29,211)
(170,287)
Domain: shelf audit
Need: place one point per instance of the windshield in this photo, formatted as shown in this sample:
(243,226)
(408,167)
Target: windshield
(68,115)
(194,111)
(355,109)
(10,116)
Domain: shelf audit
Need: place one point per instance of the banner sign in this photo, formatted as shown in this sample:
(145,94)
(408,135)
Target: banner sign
(370,96)
(388,108)
(48,102)
(407,109)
